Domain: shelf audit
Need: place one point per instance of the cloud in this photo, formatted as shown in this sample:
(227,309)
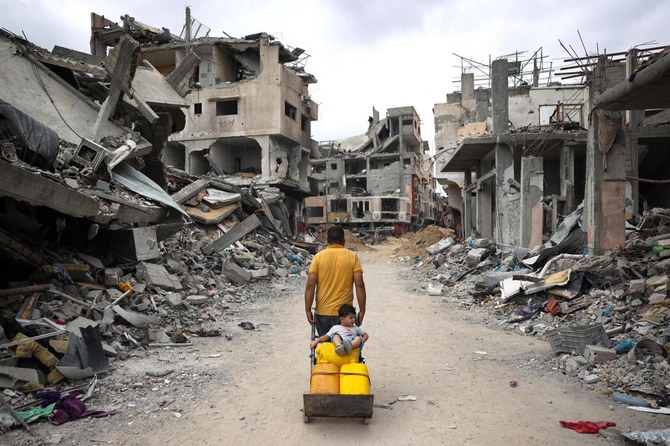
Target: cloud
(375,53)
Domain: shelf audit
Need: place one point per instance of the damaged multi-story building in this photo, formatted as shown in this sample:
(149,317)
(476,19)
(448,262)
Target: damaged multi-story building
(528,153)
(77,133)
(377,178)
(251,112)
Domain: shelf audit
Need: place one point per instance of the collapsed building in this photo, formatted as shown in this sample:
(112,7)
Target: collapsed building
(251,110)
(99,239)
(529,153)
(374,179)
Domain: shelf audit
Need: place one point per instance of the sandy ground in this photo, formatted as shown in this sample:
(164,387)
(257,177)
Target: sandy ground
(418,346)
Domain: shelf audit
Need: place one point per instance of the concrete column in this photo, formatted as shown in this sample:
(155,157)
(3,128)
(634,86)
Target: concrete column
(466,224)
(532,211)
(605,180)
(504,173)
(484,204)
(500,96)
(567,176)
(634,118)
(467,86)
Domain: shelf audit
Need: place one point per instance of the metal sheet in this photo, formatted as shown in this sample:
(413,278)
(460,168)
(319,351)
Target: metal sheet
(341,406)
(139,183)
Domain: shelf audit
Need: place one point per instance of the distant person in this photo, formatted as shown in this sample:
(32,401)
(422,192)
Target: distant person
(346,335)
(333,273)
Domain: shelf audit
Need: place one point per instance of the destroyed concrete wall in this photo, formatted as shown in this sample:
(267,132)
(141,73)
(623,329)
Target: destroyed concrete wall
(536,106)
(77,119)
(385,179)
(229,107)
(236,155)
(285,160)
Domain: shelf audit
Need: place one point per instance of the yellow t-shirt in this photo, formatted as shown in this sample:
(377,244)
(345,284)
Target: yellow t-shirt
(335,267)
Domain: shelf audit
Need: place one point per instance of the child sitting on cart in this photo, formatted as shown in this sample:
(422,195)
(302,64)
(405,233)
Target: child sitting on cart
(346,336)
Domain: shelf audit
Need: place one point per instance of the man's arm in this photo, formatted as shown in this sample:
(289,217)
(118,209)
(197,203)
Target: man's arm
(309,297)
(361,296)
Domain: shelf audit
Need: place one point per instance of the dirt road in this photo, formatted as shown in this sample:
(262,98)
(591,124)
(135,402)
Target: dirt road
(419,346)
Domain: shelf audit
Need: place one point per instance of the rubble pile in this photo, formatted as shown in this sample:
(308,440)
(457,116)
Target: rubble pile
(80,311)
(414,244)
(606,317)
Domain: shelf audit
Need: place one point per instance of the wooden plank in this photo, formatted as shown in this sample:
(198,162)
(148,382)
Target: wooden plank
(237,232)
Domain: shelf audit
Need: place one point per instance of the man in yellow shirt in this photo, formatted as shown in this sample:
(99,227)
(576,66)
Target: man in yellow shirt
(333,273)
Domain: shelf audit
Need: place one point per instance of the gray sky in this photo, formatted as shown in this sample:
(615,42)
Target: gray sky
(368,53)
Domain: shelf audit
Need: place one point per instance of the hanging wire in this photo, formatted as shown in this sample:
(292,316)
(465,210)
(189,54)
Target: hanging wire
(44,87)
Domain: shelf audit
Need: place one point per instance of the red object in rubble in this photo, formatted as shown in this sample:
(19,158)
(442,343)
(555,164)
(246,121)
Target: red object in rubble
(587,427)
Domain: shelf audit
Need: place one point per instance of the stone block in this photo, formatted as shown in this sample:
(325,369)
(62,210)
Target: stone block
(441,245)
(597,355)
(262,273)
(173,299)
(196,299)
(636,285)
(113,276)
(475,256)
(157,275)
(457,249)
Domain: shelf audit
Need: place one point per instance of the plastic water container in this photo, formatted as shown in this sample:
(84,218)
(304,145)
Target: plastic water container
(354,379)
(325,379)
(325,354)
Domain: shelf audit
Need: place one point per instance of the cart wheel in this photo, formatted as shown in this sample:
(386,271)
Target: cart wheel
(366,421)
(305,418)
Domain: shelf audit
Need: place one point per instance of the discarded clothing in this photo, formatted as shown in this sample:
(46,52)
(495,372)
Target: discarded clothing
(48,397)
(587,427)
(72,408)
(34,413)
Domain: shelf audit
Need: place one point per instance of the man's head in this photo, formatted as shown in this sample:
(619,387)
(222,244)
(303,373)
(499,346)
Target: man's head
(347,315)
(335,235)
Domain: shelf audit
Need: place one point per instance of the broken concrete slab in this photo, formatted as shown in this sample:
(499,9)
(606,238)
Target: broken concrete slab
(440,246)
(157,275)
(475,256)
(196,299)
(236,233)
(173,299)
(263,273)
(595,354)
(235,273)
(81,322)
(10,377)
(135,318)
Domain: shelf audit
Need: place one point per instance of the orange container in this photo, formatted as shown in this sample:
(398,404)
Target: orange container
(325,379)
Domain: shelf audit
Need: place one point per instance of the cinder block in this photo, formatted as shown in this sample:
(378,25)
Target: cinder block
(89,154)
(596,355)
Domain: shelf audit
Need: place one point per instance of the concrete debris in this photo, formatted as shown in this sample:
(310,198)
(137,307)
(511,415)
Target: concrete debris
(605,308)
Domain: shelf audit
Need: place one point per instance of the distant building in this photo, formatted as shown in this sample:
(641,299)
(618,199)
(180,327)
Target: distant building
(377,178)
